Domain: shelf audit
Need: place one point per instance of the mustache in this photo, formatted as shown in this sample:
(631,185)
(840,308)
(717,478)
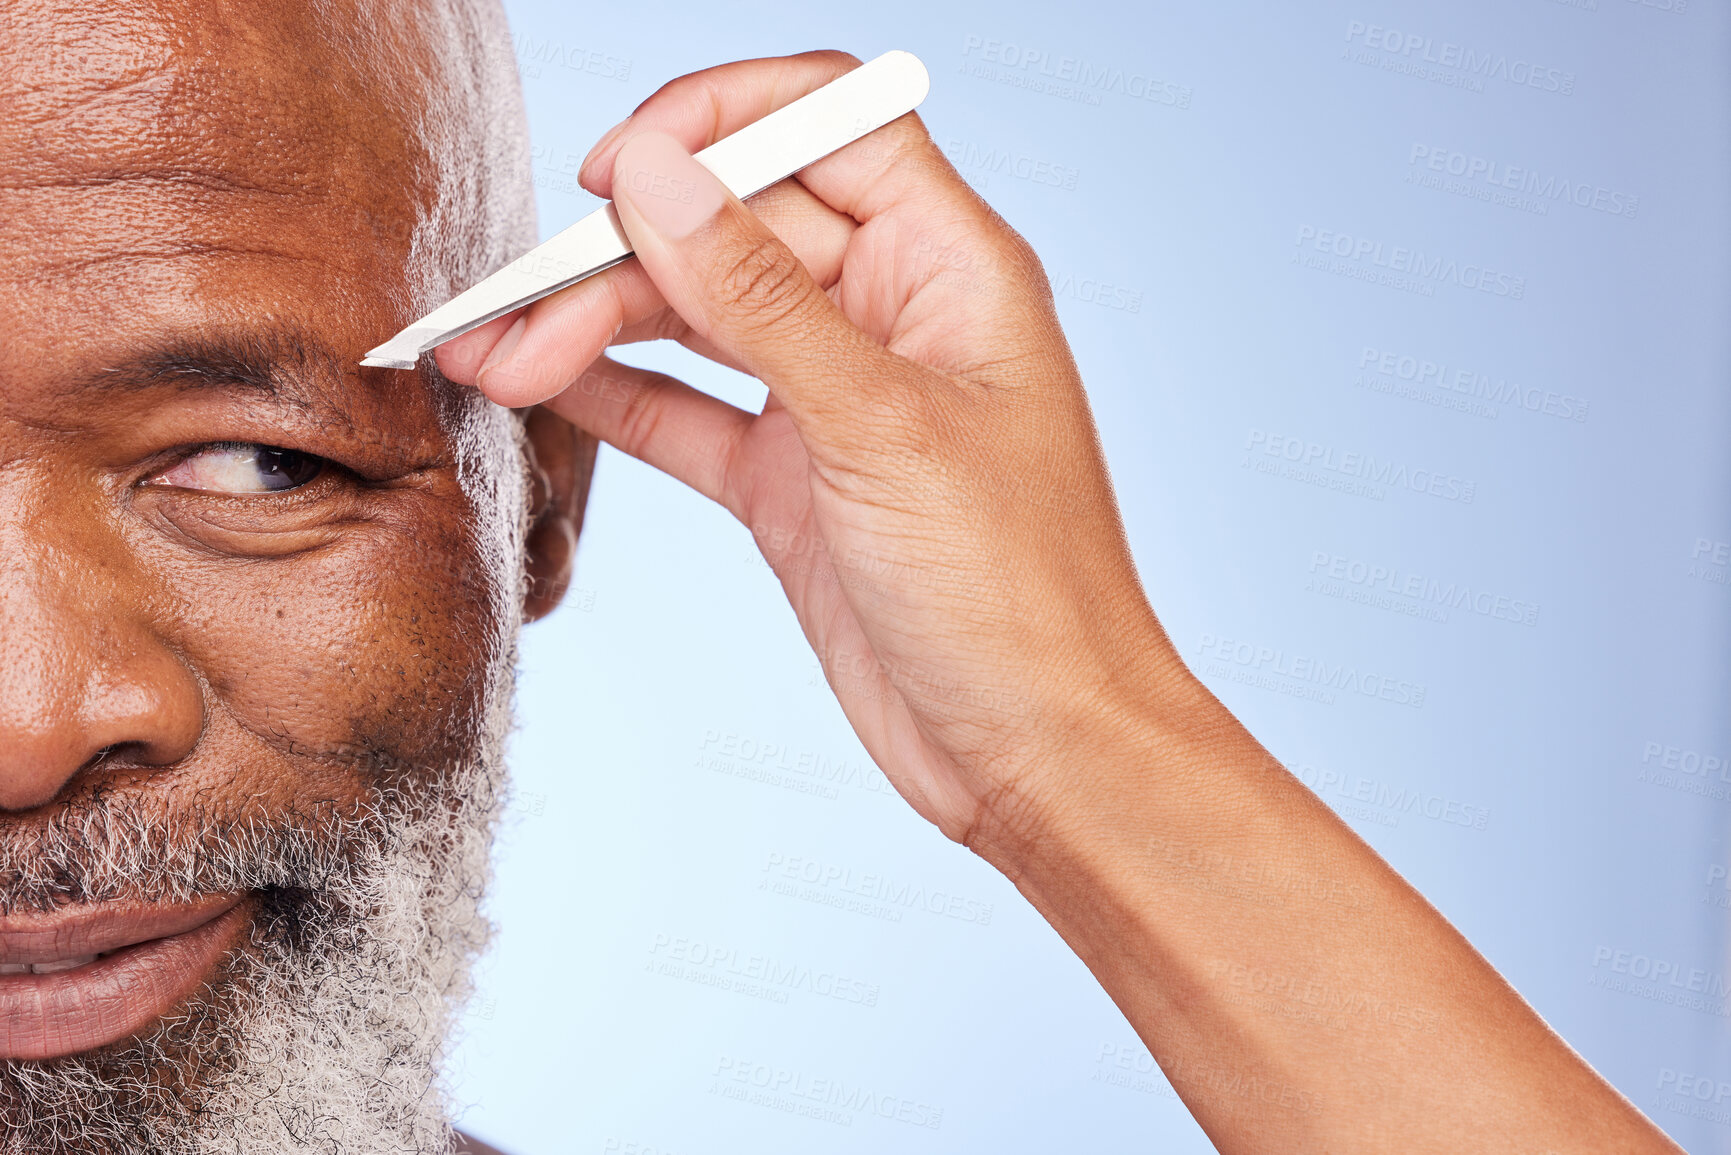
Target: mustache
(158,847)
(332,1015)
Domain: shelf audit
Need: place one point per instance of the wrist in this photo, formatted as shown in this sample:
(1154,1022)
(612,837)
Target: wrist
(1106,766)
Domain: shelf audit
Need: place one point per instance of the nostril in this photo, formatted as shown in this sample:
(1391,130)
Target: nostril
(132,707)
(25,790)
(121,755)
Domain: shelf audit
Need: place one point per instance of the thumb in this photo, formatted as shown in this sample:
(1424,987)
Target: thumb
(733,281)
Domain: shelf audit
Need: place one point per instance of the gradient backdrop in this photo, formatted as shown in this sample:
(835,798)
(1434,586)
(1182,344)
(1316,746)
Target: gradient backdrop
(1405,325)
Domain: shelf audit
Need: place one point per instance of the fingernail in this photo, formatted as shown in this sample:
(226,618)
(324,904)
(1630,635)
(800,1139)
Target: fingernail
(668,189)
(502,351)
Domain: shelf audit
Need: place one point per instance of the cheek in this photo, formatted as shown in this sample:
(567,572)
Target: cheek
(382,644)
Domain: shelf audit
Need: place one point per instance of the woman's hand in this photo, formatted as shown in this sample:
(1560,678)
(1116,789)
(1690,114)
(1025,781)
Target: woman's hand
(925,478)
(926,481)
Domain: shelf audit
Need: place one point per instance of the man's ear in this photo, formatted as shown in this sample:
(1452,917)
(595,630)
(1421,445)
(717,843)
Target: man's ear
(561,461)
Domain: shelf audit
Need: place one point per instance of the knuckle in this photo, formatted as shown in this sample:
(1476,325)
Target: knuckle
(993,234)
(638,417)
(1018,250)
(982,258)
(764,283)
(668,326)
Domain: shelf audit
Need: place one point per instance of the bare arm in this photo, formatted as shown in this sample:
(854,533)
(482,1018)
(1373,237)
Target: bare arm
(927,483)
(1298,994)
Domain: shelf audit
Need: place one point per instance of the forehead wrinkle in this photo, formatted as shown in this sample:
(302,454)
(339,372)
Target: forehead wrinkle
(170,249)
(80,224)
(405,114)
(403,117)
(224,104)
(223,145)
(55,52)
(168,174)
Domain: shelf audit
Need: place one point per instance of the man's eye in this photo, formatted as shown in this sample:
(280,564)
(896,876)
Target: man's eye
(241,468)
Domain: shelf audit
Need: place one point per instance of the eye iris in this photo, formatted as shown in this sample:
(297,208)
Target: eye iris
(285,468)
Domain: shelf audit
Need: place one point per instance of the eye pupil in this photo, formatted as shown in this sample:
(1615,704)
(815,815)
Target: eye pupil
(285,468)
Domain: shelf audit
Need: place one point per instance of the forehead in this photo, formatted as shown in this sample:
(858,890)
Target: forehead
(210,164)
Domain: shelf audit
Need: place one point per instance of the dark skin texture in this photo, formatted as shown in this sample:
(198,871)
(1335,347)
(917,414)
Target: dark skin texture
(208,212)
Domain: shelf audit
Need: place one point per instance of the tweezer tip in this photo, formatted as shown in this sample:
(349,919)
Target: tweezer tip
(387,363)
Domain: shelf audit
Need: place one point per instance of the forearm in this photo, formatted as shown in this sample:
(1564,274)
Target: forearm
(1299,995)
(930,440)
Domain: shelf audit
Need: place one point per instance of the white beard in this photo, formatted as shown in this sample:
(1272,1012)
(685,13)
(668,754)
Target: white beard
(328,1033)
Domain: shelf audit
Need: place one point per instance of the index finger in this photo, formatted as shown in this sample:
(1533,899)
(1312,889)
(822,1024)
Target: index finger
(895,164)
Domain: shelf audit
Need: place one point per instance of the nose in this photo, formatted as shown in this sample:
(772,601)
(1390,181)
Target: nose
(82,681)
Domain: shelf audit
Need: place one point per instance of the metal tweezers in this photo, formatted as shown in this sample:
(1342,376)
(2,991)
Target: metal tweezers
(749,161)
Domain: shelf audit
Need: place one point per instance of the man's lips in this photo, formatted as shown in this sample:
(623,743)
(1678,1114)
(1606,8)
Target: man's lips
(105,971)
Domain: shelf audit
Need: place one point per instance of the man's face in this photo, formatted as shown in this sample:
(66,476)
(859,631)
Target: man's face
(257,605)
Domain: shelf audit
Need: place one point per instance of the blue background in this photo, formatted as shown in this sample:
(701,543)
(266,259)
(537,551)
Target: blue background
(679,751)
